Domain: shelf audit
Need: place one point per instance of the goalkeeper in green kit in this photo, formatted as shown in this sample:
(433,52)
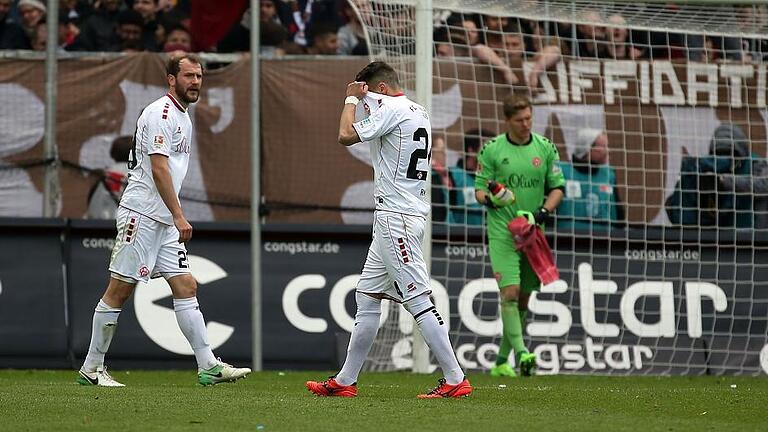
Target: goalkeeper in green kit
(517,175)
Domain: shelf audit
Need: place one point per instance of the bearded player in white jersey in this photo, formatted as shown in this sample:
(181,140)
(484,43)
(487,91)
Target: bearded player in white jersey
(399,134)
(152,229)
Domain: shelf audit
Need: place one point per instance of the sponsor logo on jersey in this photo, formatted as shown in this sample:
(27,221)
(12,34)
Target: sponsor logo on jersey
(521,181)
(556,168)
(411,287)
(143,271)
(366,122)
(159,141)
(183,146)
(536,161)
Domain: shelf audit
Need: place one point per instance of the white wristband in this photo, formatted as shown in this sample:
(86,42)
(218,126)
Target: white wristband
(351,100)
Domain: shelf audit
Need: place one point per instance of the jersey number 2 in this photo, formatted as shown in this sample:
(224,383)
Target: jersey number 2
(419,153)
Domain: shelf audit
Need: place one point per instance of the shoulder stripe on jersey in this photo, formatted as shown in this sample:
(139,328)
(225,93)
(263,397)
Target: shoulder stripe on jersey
(175,102)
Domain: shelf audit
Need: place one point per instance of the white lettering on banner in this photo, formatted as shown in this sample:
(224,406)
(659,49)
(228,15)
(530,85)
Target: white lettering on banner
(562,325)
(596,356)
(224,99)
(694,291)
(575,357)
(159,322)
(291,309)
(576,77)
(588,287)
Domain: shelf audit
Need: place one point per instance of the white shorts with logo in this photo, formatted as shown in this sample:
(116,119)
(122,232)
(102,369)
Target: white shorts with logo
(395,264)
(146,248)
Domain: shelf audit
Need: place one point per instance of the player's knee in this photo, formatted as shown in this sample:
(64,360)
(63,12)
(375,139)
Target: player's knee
(183,286)
(118,292)
(510,293)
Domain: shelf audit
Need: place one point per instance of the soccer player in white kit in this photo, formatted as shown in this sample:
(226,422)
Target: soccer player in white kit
(399,133)
(152,229)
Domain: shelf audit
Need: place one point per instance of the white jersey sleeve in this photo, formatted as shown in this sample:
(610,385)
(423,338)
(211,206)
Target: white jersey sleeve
(378,124)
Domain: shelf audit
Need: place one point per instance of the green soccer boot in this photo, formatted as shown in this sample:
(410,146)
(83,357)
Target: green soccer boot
(527,364)
(503,370)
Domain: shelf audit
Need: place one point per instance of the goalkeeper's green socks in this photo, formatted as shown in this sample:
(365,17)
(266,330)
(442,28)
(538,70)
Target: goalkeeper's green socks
(513,331)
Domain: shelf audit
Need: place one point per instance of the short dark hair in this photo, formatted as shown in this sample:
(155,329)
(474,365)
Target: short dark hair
(378,71)
(515,103)
(173,67)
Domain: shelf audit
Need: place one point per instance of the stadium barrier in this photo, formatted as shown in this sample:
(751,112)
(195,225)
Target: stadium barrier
(52,272)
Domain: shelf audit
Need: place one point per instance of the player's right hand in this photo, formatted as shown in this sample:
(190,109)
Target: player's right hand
(357,89)
(185,229)
(499,195)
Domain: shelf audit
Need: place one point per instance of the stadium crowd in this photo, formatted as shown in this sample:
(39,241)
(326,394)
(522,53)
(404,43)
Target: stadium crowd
(329,27)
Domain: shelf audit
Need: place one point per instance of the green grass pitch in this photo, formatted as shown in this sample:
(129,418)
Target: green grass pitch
(276,401)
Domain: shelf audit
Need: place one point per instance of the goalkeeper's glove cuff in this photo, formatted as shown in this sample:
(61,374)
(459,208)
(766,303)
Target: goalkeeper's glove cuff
(542,216)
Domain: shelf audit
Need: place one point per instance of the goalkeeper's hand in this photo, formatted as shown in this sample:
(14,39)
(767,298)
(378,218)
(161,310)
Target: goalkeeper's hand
(542,216)
(498,195)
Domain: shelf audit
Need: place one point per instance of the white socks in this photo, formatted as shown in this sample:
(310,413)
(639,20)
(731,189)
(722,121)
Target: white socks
(192,324)
(363,334)
(104,326)
(435,332)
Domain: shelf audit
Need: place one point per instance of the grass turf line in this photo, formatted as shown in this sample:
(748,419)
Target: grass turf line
(273,401)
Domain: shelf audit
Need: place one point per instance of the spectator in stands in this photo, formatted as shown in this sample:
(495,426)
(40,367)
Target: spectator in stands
(619,46)
(31,13)
(591,201)
(273,36)
(178,39)
(151,35)
(12,36)
(351,36)
(441,182)
(726,188)
(464,207)
(454,41)
(129,33)
(105,195)
(754,19)
(591,40)
(98,31)
(323,39)
(40,37)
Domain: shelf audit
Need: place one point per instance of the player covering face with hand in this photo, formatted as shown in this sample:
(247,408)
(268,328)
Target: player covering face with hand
(518,174)
(400,135)
(152,230)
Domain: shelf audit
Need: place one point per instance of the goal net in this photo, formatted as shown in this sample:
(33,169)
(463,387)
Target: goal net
(659,116)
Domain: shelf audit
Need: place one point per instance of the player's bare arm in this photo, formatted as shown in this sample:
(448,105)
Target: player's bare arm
(347,134)
(162,176)
(553,199)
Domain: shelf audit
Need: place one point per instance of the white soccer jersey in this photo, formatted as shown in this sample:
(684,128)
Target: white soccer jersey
(163,128)
(400,136)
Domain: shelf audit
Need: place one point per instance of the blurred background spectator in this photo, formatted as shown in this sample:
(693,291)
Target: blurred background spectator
(31,12)
(591,201)
(464,206)
(441,182)
(727,188)
(105,195)
(351,35)
(12,36)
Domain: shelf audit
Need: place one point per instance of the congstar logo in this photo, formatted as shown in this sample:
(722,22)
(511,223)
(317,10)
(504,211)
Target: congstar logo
(159,322)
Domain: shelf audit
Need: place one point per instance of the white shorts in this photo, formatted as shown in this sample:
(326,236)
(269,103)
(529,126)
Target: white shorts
(146,248)
(395,264)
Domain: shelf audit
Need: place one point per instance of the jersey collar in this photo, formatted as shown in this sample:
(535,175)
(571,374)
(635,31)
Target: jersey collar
(175,102)
(506,135)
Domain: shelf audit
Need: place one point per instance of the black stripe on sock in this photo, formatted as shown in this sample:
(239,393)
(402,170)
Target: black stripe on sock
(423,312)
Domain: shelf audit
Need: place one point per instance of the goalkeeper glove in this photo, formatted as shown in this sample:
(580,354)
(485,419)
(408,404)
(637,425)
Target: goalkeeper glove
(542,216)
(499,196)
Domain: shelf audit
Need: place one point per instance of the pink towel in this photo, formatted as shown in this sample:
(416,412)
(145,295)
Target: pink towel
(531,241)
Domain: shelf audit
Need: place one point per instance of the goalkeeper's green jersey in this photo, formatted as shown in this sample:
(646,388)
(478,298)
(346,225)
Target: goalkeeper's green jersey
(529,170)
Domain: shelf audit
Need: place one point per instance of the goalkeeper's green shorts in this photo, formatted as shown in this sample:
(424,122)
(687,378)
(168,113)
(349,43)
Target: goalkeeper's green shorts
(511,267)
